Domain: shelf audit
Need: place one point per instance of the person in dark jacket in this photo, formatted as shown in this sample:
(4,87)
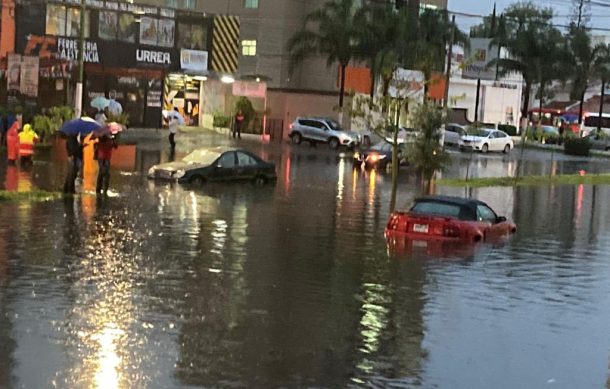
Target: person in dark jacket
(104,149)
(74,147)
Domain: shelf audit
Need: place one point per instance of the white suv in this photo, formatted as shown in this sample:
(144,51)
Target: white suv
(322,130)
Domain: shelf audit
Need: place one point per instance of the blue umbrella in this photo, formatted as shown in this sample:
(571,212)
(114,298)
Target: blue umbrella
(100,102)
(82,126)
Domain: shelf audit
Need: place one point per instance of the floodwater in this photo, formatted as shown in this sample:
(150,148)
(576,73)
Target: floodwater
(292,285)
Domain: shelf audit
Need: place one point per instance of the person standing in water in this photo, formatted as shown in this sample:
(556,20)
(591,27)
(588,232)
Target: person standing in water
(105,146)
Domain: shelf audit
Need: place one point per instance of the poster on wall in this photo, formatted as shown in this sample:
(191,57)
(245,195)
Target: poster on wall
(148,31)
(108,25)
(126,28)
(29,76)
(166,32)
(13,73)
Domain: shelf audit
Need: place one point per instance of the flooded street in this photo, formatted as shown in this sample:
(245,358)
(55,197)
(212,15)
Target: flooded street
(292,285)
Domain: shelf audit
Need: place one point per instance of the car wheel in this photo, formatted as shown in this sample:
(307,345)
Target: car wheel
(366,142)
(197,181)
(296,138)
(485,148)
(607,149)
(333,143)
(260,180)
(507,149)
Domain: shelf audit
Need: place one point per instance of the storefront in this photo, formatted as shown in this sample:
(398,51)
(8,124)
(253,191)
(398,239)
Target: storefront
(129,52)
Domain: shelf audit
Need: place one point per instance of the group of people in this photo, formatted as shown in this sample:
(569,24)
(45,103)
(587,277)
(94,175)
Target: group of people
(20,142)
(103,148)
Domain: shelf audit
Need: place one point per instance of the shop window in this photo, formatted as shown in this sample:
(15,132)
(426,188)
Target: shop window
(192,36)
(248,48)
(250,3)
(64,21)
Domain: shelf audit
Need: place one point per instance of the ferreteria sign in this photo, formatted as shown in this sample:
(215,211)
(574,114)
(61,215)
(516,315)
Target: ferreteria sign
(153,57)
(67,48)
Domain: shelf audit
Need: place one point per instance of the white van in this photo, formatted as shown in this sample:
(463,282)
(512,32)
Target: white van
(593,120)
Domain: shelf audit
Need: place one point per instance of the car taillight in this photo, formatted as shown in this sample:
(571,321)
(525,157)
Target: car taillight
(451,231)
(290,126)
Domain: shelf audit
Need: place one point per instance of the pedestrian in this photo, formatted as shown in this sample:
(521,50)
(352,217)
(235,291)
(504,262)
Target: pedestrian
(12,142)
(104,149)
(27,140)
(101,117)
(74,147)
(238,123)
(173,123)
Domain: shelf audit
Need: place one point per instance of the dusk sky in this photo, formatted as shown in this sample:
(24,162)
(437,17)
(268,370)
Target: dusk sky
(562,8)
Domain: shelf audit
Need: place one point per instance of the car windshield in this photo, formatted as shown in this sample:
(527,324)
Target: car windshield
(334,125)
(479,132)
(202,156)
(382,146)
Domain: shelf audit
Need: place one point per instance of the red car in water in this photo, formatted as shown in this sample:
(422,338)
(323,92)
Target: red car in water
(448,219)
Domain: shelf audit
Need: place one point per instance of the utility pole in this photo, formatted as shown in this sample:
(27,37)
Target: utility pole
(78,93)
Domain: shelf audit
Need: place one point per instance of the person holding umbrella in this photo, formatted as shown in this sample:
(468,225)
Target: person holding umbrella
(75,130)
(103,152)
(174,120)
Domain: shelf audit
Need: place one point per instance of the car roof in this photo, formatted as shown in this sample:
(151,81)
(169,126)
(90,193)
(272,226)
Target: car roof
(451,200)
(217,149)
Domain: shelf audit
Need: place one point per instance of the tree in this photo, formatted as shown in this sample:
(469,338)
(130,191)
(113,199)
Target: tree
(427,153)
(334,37)
(527,34)
(583,63)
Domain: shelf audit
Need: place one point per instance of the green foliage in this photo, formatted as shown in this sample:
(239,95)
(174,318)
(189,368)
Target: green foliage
(577,146)
(221,121)
(244,105)
(509,129)
(427,153)
(567,179)
(122,118)
(47,125)
(32,195)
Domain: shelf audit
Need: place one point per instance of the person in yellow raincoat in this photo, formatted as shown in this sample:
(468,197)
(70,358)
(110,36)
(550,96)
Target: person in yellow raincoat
(27,139)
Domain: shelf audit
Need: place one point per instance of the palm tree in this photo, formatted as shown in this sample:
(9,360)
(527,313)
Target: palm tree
(334,37)
(601,69)
(527,36)
(584,58)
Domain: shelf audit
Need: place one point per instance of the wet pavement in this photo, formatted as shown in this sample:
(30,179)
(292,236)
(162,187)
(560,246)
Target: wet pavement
(292,285)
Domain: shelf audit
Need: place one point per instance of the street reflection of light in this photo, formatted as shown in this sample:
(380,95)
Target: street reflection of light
(581,189)
(107,375)
(340,184)
(372,323)
(287,175)
(372,183)
(219,236)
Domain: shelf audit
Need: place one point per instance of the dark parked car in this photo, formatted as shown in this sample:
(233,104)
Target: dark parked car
(215,164)
(379,156)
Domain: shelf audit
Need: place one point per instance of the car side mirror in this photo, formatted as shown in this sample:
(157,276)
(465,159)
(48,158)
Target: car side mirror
(500,219)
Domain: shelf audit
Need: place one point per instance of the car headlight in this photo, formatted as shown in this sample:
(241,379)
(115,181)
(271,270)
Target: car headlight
(356,155)
(179,174)
(151,171)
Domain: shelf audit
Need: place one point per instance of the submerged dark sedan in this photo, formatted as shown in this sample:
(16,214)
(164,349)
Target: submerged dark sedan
(215,164)
(379,156)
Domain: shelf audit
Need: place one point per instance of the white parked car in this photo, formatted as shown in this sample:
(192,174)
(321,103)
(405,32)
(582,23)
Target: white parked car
(486,139)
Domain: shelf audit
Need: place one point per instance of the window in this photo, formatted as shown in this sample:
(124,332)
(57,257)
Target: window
(250,3)
(190,4)
(171,3)
(248,48)
(244,159)
(436,208)
(486,214)
(227,160)
(64,21)
(192,36)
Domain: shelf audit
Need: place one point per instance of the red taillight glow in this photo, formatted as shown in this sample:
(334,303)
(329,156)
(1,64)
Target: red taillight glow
(451,231)
(290,126)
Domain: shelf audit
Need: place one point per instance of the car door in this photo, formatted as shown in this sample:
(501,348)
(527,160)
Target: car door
(225,167)
(306,128)
(489,221)
(494,141)
(451,135)
(321,131)
(247,166)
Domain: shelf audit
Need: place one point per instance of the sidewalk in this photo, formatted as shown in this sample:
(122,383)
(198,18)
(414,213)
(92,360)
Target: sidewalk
(139,135)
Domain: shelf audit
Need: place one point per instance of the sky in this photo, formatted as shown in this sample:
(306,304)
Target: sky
(561,8)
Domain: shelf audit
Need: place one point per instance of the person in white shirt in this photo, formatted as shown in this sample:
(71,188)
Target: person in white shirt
(173,124)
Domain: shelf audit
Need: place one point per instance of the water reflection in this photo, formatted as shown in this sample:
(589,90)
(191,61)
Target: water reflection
(292,286)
